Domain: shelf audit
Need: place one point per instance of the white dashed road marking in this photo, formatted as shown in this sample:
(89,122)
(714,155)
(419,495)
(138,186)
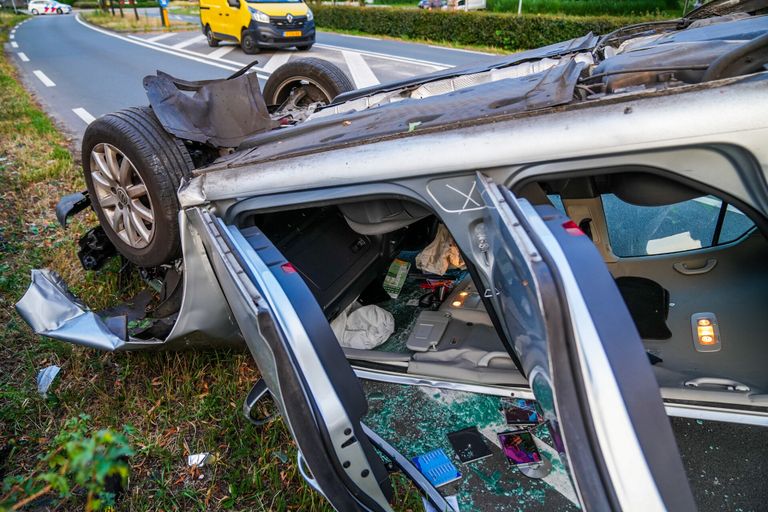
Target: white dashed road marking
(276,60)
(161,37)
(361,73)
(84,115)
(189,42)
(436,65)
(23,57)
(220,52)
(46,81)
(14,44)
(13,36)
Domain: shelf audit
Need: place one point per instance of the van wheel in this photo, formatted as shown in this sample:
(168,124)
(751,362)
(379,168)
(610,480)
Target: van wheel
(58,11)
(313,80)
(212,41)
(249,44)
(133,168)
(34,12)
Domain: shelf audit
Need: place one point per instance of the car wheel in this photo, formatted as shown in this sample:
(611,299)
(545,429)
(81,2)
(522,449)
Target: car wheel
(304,47)
(35,12)
(58,11)
(212,41)
(249,44)
(132,169)
(312,81)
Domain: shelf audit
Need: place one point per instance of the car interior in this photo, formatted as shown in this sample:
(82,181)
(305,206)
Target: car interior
(690,267)
(442,329)
(688,264)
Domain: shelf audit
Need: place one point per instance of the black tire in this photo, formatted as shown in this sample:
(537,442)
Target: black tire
(34,12)
(212,41)
(329,79)
(58,11)
(248,43)
(304,47)
(160,160)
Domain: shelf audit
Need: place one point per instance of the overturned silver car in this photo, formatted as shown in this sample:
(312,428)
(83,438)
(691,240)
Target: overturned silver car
(500,280)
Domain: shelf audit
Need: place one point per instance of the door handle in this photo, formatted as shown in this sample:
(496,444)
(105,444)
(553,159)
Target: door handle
(727,384)
(684,269)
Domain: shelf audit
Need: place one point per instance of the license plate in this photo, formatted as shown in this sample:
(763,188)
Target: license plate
(292,33)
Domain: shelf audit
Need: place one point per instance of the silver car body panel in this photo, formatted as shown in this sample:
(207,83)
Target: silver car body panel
(50,309)
(204,319)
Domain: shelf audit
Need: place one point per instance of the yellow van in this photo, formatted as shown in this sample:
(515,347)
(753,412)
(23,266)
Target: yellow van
(258,24)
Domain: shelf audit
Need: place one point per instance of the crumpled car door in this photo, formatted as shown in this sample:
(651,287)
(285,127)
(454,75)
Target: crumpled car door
(301,362)
(582,356)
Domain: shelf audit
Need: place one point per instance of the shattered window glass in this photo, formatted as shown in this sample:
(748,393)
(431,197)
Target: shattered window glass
(688,225)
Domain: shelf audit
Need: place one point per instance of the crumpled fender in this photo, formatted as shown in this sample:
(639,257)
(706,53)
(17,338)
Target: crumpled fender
(51,310)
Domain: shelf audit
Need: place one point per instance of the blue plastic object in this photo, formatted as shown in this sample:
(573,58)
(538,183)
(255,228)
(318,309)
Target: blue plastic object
(437,467)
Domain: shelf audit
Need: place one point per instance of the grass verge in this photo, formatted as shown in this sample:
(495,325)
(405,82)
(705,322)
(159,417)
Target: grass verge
(129,23)
(149,409)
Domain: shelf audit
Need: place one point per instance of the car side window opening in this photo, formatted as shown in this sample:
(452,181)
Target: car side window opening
(684,226)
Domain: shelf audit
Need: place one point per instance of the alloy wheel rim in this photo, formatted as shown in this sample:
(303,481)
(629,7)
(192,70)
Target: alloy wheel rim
(312,88)
(122,196)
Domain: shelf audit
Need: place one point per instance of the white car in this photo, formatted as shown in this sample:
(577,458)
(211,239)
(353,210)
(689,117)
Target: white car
(47,7)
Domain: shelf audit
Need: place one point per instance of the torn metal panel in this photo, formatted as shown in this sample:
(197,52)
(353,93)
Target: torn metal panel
(548,88)
(221,113)
(203,321)
(51,310)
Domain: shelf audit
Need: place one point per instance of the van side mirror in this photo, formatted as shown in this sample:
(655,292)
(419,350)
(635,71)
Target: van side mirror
(234,3)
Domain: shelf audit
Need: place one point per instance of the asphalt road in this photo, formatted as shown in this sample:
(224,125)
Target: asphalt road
(80,72)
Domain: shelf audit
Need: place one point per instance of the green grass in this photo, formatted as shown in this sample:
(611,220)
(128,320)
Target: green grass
(174,404)
(129,23)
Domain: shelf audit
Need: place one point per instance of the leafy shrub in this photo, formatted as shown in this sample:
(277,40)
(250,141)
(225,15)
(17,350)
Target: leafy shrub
(506,31)
(96,465)
(588,7)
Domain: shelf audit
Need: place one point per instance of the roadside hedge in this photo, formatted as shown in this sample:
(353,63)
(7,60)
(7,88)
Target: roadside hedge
(506,31)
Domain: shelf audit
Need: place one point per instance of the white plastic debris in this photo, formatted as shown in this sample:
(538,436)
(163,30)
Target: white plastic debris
(45,378)
(440,255)
(198,460)
(363,327)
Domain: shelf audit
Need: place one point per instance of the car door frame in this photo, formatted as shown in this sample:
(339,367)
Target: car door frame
(333,446)
(624,423)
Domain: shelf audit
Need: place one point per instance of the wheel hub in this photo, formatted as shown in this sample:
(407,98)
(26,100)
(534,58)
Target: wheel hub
(122,196)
